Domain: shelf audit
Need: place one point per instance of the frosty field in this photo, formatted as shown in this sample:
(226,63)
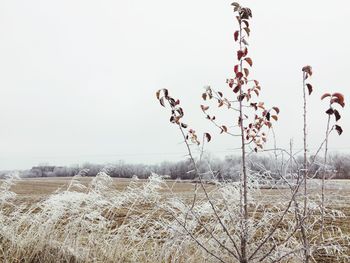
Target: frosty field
(128,220)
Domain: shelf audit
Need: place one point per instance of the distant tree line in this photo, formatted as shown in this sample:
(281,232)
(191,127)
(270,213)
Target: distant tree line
(227,168)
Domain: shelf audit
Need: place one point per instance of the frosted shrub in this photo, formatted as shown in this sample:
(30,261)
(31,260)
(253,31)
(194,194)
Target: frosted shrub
(5,193)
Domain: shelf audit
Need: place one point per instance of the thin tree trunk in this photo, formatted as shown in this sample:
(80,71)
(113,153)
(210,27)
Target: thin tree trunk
(244,177)
(305,173)
(323,179)
(244,236)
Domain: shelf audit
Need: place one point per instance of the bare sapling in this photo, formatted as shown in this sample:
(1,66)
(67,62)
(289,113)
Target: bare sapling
(307,87)
(251,116)
(334,100)
(252,119)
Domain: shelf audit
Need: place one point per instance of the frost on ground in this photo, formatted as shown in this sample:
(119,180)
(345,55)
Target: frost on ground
(97,223)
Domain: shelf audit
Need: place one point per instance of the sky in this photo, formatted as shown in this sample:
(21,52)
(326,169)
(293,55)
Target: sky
(78,78)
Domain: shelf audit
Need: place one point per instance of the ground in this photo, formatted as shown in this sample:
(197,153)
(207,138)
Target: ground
(31,190)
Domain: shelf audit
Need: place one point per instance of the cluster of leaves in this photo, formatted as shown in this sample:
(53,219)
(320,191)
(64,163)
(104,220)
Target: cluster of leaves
(253,130)
(335,99)
(177,114)
(245,89)
(308,73)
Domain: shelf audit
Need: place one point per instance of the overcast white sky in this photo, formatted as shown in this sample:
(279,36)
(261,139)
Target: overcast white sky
(78,78)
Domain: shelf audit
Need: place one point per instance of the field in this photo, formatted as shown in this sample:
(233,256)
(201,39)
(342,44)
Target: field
(125,220)
(34,189)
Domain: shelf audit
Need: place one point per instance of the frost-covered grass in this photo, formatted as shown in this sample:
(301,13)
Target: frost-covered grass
(103,220)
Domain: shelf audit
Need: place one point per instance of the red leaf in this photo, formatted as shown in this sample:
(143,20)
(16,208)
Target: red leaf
(276,109)
(274,117)
(307,70)
(335,100)
(230,83)
(235,69)
(239,54)
(338,129)
(237,88)
(325,95)
(330,111)
(309,87)
(261,105)
(249,61)
(236,34)
(340,98)
(337,115)
(241,97)
(245,52)
(204,108)
(207,136)
(246,72)
(245,13)
(239,75)
(158,94)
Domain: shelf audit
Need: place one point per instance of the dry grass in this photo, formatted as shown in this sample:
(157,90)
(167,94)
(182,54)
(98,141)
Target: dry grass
(122,220)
